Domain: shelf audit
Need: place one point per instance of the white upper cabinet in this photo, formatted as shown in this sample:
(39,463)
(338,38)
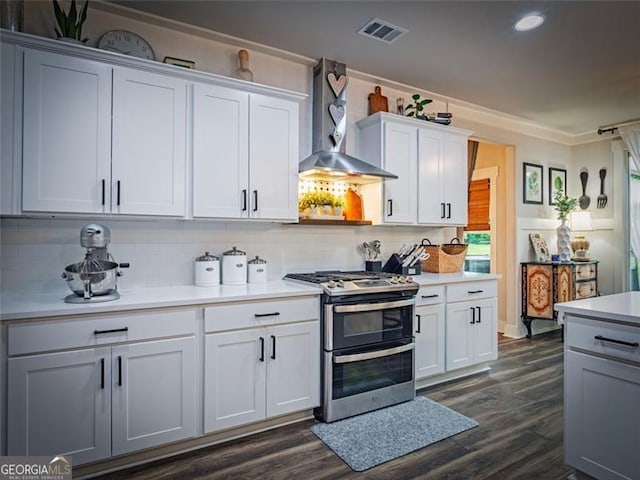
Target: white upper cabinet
(67,134)
(430,161)
(149,143)
(245,155)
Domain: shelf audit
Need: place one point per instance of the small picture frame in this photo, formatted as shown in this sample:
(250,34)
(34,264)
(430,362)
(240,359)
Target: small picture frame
(532,183)
(179,62)
(539,247)
(557,183)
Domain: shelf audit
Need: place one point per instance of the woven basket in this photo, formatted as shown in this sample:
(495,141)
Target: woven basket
(447,258)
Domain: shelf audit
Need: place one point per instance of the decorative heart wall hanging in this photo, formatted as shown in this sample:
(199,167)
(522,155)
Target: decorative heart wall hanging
(337,84)
(337,113)
(337,137)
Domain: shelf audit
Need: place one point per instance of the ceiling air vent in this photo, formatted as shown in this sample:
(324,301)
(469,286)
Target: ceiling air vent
(381,30)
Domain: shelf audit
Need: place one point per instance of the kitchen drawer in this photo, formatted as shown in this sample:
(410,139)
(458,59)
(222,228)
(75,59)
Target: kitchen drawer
(31,337)
(461,292)
(586,272)
(581,333)
(234,316)
(430,295)
(586,290)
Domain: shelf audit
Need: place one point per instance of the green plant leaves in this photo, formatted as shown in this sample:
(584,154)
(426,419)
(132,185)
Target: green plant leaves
(70,24)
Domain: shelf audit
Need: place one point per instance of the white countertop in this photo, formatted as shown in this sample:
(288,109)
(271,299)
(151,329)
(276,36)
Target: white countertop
(17,307)
(620,307)
(20,307)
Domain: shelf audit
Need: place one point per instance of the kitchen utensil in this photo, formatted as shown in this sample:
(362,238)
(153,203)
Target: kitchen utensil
(602,198)
(353,205)
(94,278)
(584,200)
(234,267)
(207,270)
(257,270)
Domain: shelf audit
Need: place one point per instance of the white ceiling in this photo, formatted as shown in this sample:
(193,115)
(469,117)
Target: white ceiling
(579,71)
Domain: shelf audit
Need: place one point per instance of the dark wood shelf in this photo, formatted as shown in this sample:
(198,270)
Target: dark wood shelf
(309,221)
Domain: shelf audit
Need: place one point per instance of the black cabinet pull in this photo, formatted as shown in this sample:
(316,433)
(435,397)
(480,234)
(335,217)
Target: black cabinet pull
(118,192)
(473,315)
(244,200)
(418,329)
(442,210)
(255,200)
(103,190)
(435,295)
(100,332)
(102,373)
(474,291)
(260,315)
(448,210)
(619,342)
(390,209)
(479,315)
(119,370)
(273,347)
(261,349)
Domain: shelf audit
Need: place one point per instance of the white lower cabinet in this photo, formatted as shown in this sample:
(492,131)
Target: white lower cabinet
(93,402)
(472,318)
(259,373)
(429,332)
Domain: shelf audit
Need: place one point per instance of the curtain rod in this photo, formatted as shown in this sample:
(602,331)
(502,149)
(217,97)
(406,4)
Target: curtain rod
(613,128)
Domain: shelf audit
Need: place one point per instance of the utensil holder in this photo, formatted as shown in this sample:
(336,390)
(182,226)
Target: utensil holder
(394,265)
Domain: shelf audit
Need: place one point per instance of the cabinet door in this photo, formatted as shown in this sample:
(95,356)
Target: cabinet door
(153,393)
(234,378)
(220,152)
(602,424)
(149,143)
(273,158)
(429,337)
(67,134)
(293,368)
(432,208)
(459,335)
(485,330)
(400,157)
(60,403)
(455,178)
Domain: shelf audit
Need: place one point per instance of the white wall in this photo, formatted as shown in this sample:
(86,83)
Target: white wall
(34,251)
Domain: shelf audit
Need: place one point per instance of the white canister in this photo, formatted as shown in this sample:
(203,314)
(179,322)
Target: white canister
(234,267)
(207,270)
(257,270)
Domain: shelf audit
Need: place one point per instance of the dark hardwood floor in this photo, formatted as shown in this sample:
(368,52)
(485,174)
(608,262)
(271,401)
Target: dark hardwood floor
(518,406)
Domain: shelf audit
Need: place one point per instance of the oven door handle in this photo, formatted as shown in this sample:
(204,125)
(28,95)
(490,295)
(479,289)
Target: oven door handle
(359,357)
(371,307)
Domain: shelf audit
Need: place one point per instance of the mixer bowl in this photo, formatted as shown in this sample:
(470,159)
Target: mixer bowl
(100,281)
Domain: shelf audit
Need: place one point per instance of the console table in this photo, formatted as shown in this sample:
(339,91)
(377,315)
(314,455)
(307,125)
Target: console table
(546,283)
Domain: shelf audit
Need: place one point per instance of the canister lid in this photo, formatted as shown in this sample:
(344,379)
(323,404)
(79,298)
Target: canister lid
(207,257)
(235,251)
(256,260)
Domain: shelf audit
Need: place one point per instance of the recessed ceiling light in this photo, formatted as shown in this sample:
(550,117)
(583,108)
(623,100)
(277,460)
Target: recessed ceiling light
(529,22)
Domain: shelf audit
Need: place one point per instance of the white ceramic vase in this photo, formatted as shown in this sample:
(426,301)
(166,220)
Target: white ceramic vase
(564,242)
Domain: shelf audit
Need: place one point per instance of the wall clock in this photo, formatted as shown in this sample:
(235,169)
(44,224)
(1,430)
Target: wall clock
(127,43)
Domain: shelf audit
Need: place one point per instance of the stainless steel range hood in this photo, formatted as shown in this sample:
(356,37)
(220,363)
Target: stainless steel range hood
(329,127)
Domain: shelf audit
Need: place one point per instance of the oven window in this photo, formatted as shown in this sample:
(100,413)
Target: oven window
(362,328)
(366,375)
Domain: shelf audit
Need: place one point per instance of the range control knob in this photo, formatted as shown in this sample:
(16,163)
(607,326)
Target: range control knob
(394,279)
(340,283)
(409,279)
(331,284)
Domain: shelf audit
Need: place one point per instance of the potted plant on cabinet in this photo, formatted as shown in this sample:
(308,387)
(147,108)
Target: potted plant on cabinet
(70,24)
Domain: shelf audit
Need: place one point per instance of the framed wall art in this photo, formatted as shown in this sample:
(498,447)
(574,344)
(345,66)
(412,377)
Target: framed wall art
(532,183)
(557,183)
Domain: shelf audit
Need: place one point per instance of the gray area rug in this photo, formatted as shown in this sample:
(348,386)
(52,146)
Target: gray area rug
(376,437)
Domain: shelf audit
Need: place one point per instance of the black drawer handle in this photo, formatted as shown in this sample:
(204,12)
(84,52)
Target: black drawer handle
(619,342)
(474,291)
(431,296)
(261,349)
(244,200)
(390,209)
(418,329)
(479,315)
(119,370)
(100,332)
(448,210)
(260,315)
(255,200)
(473,315)
(102,373)
(273,347)
(442,214)
(103,190)
(118,192)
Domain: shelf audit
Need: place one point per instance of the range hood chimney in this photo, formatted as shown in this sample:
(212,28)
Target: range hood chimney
(329,128)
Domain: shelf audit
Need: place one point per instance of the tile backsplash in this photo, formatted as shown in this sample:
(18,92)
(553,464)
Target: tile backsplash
(34,252)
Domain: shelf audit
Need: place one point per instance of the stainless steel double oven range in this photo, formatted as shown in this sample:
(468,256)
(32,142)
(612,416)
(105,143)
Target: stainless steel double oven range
(367,341)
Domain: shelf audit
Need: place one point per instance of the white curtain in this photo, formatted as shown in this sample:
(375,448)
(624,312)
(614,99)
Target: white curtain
(631,137)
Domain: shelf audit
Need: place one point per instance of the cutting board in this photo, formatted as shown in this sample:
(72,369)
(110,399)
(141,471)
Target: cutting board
(353,206)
